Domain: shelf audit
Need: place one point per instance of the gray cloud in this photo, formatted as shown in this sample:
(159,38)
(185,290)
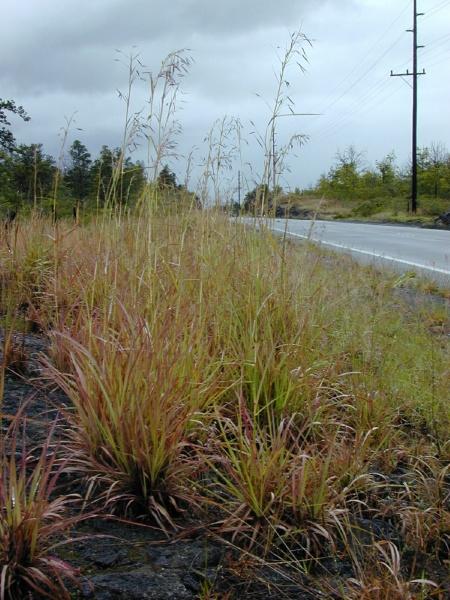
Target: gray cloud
(66,45)
(58,57)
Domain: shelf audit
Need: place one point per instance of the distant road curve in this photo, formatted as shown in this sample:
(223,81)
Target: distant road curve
(426,251)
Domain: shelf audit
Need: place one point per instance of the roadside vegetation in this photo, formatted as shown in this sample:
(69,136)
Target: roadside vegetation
(214,380)
(291,403)
(352,189)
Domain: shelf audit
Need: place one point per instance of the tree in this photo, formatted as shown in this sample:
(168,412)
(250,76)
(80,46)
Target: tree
(385,186)
(258,201)
(8,193)
(439,158)
(388,174)
(350,158)
(78,175)
(132,180)
(346,175)
(167,179)
(102,173)
(7,140)
(116,180)
(32,173)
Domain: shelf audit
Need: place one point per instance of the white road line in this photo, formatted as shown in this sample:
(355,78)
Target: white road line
(365,252)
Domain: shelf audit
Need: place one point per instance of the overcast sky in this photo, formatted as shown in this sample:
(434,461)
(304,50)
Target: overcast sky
(58,57)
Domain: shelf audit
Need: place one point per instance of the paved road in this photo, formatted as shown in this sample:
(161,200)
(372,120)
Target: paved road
(426,251)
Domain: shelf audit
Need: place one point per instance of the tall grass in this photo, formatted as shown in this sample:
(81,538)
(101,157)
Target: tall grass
(213,367)
(32,519)
(135,389)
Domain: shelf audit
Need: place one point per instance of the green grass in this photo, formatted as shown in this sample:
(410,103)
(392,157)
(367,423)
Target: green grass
(220,373)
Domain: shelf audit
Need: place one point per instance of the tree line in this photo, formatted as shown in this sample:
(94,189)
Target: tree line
(29,176)
(350,179)
(32,179)
(368,189)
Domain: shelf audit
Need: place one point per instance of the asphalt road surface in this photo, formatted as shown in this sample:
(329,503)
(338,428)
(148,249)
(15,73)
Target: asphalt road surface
(425,251)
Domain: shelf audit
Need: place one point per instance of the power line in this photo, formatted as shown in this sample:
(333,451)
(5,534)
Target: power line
(438,47)
(439,62)
(376,96)
(430,48)
(344,116)
(363,111)
(442,52)
(347,117)
(366,55)
(343,113)
(437,8)
(368,95)
(364,75)
(376,102)
(439,40)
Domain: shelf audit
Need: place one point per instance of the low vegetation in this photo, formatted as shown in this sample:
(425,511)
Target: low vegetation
(352,189)
(285,399)
(32,516)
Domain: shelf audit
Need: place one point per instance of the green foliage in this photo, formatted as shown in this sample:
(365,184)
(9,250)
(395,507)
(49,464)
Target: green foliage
(170,196)
(167,179)
(26,176)
(349,181)
(33,173)
(7,140)
(102,173)
(388,172)
(259,200)
(434,171)
(116,179)
(364,191)
(367,208)
(29,178)
(345,177)
(78,175)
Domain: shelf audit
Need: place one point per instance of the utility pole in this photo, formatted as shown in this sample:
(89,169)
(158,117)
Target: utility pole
(239,188)
(274,158)
(35,177)
(415,75)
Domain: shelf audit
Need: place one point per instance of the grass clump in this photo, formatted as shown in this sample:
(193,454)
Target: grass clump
(135,395)
(386,580)
(32,517)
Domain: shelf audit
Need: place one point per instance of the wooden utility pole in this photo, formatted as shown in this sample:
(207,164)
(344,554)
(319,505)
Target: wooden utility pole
(239,188)
(35,177)
(415,75)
